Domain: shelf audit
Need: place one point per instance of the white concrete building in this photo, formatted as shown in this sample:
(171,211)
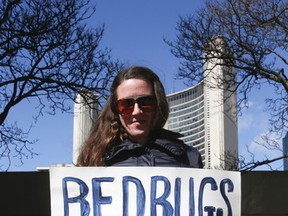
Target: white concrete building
(207,121)
(85,112)
(206,115)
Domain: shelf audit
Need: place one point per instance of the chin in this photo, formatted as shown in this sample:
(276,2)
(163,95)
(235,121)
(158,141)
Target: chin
(139,135)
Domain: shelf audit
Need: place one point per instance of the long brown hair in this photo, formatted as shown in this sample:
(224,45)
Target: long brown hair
(107,130)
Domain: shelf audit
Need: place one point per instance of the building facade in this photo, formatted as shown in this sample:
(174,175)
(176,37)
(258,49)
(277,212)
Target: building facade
(85,112)
(207,121)
(187,116)
(206,114)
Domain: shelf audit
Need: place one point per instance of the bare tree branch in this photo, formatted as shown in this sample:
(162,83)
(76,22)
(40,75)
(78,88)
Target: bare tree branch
(47,54)
(253,165)
(255,35)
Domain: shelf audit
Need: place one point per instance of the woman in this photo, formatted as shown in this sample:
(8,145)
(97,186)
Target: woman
(129,130)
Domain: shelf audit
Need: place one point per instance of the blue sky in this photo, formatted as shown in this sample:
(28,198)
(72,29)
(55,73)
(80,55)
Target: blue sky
(134,30)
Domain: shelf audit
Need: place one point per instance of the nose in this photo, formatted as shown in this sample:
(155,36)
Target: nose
(136,109)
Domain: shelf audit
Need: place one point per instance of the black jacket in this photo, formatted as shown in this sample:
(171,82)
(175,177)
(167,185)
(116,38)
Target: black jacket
(166,150)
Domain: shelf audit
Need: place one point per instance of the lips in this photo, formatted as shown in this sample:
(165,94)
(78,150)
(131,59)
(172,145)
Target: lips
(138,122)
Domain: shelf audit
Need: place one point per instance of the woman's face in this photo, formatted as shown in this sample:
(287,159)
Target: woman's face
(137,113)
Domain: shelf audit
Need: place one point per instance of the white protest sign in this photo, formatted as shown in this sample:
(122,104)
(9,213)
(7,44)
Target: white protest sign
(140,191)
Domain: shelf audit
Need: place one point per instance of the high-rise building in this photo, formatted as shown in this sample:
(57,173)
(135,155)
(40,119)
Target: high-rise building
(85,112)
(206,115)
(285,151)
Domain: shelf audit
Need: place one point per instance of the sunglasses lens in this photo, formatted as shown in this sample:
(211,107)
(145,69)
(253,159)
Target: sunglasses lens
(147,104)
(126,106)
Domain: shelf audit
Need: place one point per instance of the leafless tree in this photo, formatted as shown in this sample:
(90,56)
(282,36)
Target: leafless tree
(47,54)
(229,161)
(232,161)
(255,33)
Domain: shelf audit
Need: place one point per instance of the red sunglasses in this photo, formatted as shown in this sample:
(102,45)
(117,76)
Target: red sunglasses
(145,103)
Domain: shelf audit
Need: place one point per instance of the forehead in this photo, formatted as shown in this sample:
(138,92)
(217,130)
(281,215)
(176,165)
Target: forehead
(134,87)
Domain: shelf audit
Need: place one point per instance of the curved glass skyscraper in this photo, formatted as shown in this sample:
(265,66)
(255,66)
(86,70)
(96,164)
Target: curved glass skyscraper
(206,114)
(208,121)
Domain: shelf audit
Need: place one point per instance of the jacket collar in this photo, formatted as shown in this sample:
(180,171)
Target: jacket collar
(175,146)
(166,139)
